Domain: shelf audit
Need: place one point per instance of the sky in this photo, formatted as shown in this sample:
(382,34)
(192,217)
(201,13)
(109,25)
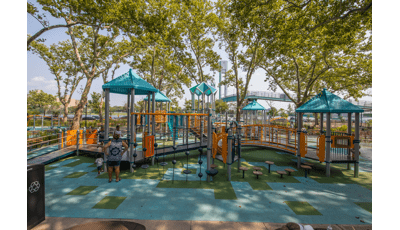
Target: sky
(39,76)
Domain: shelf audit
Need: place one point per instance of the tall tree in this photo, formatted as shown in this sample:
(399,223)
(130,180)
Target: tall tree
(95,54)
(63,65)
(313,44)
(243,46)
(98,14)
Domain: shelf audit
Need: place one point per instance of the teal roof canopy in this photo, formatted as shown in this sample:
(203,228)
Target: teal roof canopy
(127,81)
(254,105)
(203,88)
(160,97)
(327,102)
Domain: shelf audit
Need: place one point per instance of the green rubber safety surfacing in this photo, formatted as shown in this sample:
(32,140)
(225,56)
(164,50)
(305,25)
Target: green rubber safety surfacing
(109,202)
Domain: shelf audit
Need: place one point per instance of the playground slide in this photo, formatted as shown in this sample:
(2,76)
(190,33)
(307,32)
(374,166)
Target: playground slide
(171,130)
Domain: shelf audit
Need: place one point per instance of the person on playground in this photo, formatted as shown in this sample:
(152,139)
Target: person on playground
(117,131)
(99,162)
(114,156)
(101,136)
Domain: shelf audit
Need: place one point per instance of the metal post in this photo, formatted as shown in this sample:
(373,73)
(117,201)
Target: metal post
(299,117)
(239,145)
(133,130)
(77,142)
(322,123)
(209,143)
(34,122)
(59,140)
(201,130)
(65,138)
(348,133)
(328,144)
(51,122)
(229,154)
(84,137)
(356,144)
(153,130)
(107,123)
(128,116)
(153,110)
(148,116)
(42,121)
(187,130)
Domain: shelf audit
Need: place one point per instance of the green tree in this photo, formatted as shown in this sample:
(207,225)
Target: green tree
(243,46)
(97,14)
(221,106)
(95,54)
(308,45)
(94,104)
(63,65)
(38,99)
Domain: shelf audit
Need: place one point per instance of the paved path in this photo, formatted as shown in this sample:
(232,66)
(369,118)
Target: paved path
(62,223)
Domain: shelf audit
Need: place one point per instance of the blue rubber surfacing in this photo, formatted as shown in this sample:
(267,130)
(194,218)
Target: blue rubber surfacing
(145,201)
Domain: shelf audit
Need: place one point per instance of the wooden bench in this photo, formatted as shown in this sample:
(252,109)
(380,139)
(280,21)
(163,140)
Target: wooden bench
(257,173)
(309,164)
(281,173)
(256,168)
(289,171)
(243,169)
(269,165)
(306,168)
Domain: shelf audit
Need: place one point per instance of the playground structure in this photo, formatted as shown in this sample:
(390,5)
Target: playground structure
(178,132)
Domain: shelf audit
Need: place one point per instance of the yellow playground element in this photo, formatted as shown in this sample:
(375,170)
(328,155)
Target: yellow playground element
(321,148)
(279,118)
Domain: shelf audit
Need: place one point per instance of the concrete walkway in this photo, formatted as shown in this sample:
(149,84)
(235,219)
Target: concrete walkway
(61,223)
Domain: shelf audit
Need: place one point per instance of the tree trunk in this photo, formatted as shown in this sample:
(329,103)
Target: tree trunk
(65,118)
(81,105)
(237,114)
(315,119)
(101,109)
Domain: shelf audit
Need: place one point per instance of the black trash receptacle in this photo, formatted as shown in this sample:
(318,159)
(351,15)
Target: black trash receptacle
(35,195)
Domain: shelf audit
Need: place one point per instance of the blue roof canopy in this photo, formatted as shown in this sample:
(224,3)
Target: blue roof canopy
(254,105)
(127,81)
(160,97)
(327,102)
(201,88)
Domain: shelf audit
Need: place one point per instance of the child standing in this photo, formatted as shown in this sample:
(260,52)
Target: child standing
(99,161)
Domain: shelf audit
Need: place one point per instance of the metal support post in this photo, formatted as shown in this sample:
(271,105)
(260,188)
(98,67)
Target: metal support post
(357,144)
(328,144)
(229,153)
(77,142)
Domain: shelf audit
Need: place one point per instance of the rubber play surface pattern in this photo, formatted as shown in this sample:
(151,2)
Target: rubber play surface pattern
(77,191)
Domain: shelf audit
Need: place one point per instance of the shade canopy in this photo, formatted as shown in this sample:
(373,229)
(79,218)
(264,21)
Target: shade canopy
(127,81)
(254,105)
(327,102)
(203,88)
(160,97)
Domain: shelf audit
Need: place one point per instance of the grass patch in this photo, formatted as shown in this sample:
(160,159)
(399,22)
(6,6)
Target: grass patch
(82,190)
(365,205)
(76,175)
(192,171)
(47,168)
(260,186)
(222,190)
(110,202)
(302,208)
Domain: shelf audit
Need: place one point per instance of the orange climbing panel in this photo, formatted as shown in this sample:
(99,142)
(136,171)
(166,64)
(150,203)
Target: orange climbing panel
(91,138)
(321,148)
(149,140)
(71,137)
(303,144)
(342,142)
(221,150)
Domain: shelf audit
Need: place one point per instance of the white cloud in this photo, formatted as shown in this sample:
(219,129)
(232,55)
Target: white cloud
(42,83)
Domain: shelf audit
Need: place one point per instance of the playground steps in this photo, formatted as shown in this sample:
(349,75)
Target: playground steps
(196,132)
